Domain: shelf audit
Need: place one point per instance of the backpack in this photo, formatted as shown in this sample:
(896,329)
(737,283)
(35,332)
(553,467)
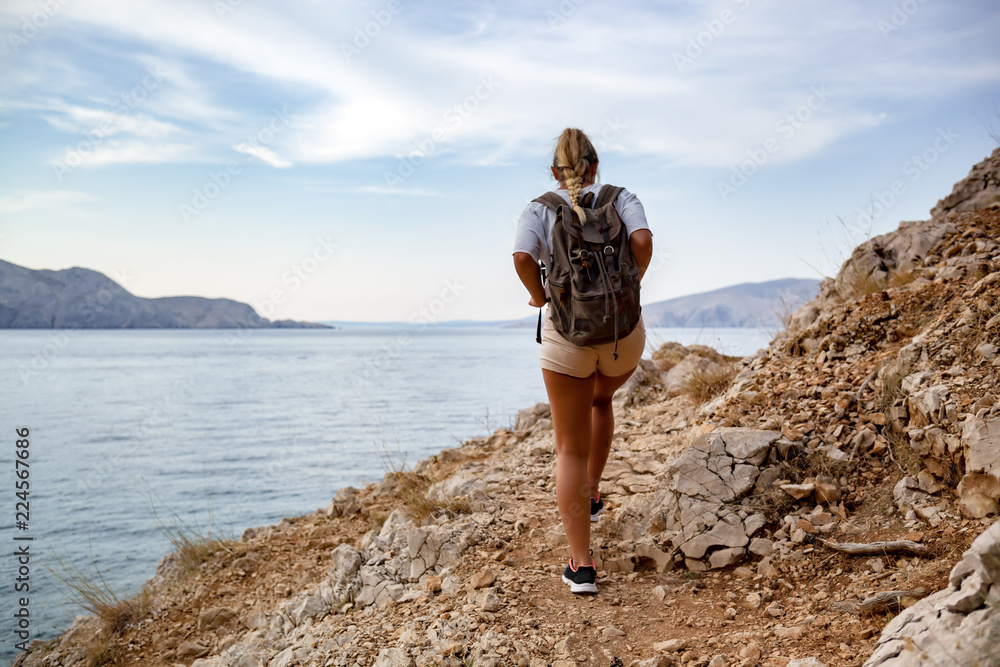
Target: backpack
(593,280)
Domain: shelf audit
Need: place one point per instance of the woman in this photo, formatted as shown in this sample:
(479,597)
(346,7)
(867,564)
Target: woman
(580,381)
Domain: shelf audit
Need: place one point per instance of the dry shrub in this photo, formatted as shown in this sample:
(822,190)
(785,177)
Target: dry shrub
(93,594)
(192,544)
(704,385)
(861,282)
(100,650)
(900,278)
(410,488)
(899,445)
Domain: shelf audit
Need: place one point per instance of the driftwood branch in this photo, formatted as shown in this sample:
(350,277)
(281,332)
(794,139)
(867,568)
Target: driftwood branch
(861,389)
(879,548)
(881,602)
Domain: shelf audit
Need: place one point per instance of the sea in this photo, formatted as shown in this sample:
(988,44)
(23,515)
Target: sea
(123,435)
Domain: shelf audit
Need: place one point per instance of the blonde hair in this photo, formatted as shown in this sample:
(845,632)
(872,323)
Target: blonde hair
(574,157)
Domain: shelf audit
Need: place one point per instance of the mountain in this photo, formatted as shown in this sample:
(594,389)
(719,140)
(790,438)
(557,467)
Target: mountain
(79,298)
(745,305)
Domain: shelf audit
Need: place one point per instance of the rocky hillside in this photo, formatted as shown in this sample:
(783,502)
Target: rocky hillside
(80,298)
(795,508)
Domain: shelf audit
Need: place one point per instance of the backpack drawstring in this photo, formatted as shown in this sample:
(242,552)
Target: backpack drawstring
(614,302)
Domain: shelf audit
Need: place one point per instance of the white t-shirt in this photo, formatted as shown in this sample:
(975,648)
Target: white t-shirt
(534,227)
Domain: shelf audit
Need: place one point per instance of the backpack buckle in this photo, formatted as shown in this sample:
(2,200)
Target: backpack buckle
(608,250)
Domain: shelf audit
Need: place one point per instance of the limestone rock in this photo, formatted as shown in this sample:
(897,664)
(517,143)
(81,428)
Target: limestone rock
(715,471)
(977,505)
(725,557)
(760,546)
(959,625)
(798,491)
(827,492)
(341,575)
(528,417)
(189,650)
(394,657)
(981,444)
(896,251)
(482,579)
(980,189)
(645,373)
(907,494)
(215,617)
(670,645)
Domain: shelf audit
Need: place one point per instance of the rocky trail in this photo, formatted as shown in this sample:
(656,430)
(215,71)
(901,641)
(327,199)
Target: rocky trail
(735,489)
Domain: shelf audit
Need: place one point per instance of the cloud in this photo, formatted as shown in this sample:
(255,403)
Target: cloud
(32,200)
(98,154)
(264,154)
(414,82)
(105,123)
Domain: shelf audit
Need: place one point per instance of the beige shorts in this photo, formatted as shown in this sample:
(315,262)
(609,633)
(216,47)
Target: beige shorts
(562,356)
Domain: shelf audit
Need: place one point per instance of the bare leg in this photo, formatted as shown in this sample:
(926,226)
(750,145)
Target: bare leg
(602,426)
(570,400)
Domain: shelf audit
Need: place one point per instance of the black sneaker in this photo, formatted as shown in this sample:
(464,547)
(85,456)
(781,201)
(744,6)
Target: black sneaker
(581,578)
(596,508)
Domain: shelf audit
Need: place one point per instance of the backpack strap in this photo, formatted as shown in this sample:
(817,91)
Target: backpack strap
(608,194)
(551,201)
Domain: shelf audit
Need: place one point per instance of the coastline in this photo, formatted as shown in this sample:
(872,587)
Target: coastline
(796,507)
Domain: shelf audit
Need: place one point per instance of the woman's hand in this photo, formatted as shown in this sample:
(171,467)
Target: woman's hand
(531,276)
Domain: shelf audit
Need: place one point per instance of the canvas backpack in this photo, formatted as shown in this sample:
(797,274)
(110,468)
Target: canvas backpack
(593,281)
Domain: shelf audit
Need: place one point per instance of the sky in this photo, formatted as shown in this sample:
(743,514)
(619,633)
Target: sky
(368,161)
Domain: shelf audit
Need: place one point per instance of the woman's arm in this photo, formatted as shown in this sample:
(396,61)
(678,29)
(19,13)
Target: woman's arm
(641,244)
(529,273)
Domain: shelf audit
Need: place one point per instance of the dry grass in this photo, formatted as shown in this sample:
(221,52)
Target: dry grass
(100,650)
(704,385)
(861,282)
(774,503)
(900,278)
(192,544)
(818,464)
(95,595)
(411,490)
(904,456)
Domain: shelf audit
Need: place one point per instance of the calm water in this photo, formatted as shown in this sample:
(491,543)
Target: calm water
(246,427)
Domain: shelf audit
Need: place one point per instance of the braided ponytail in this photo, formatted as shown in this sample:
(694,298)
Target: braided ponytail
(574,157)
